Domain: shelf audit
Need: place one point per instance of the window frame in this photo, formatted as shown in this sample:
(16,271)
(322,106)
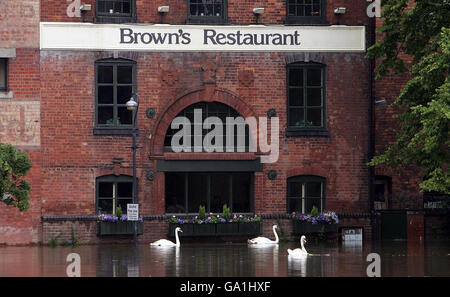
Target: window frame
(207,19)
(5,89)
(115,129)
(116,19)
(305,130)
(306,20)
(115,180)
(304,179)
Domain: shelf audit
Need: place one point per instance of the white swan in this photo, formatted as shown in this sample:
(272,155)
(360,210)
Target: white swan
(167,243)
(265,240)
(299,253)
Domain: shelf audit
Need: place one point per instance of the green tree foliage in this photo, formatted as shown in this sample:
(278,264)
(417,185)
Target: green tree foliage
(422,32)
(14,165)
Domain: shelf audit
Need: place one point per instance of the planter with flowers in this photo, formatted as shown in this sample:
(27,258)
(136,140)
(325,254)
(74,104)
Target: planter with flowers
(224,224)
(117,225)
(314,223)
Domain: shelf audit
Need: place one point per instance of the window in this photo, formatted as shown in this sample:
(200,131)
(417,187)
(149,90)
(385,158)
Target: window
(306,11)
(115,11)
(382,189)
(207,11)
(115,84)
(306,96)
(186,191)
(304,192)
(212,109)
(3,75)
(113,191)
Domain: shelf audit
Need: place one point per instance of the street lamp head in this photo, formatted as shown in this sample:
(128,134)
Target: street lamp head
(132,104)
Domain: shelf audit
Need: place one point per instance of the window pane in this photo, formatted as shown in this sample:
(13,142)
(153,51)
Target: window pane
(3,73)
(314,97)
(241,192)
(124,74)
(105,115)
(296,97)
(105,206)
(294,205)
(310,202)
(125,189)
(296,117)
(105,189)
(124,94)
(105,74)
(123,204)
(124,116)
(313,189)
(294,189)
(220,191)
(314,117)
(198,185)
(380,192)
(105,95)
(175,193)
(314,77)
(296,77)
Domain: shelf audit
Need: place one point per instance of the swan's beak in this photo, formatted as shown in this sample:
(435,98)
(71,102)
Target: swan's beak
(181,231)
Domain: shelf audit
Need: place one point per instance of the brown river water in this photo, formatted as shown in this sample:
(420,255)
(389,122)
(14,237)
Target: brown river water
(230,260)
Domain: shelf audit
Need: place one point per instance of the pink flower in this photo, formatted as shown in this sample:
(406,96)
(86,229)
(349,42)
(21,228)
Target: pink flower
(234,217)
(209,218)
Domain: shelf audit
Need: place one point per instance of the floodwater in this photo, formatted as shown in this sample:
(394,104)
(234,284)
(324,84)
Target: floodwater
(230,260)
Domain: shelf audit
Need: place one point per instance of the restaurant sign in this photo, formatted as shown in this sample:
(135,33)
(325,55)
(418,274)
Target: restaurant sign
(192,38)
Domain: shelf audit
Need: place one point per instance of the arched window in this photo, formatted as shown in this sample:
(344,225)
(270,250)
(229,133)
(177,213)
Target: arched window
(113,191)
(115,82)
(304,192)
(238,132)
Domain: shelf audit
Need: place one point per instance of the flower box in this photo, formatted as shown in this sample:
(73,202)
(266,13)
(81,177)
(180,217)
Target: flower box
(118,228)
(300,228)
(219,229)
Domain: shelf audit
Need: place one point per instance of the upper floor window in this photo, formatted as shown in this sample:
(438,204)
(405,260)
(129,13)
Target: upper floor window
(304,192)
(306,96)
(306,11)
(207,11)
(115,84)
(3,74)
(115,11)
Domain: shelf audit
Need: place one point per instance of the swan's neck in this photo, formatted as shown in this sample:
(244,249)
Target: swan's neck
(276,235)
(177,240)
(303,247)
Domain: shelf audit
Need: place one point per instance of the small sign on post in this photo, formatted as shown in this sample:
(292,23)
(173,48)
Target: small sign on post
(133,212)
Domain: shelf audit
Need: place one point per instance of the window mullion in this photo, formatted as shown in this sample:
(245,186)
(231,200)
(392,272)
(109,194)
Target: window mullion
(115,108)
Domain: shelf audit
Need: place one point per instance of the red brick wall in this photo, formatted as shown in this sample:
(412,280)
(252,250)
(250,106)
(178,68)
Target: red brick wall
(239,11)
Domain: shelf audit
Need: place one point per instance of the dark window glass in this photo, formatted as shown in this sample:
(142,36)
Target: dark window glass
(212,109)
(304,192)
(115,86)
(185,192)
(305,93)
(304,8)
(114,7)
(114,191)
(207,9)
(3,74)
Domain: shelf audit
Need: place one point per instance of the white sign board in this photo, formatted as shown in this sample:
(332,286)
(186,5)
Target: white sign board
(133,212)
(195,38)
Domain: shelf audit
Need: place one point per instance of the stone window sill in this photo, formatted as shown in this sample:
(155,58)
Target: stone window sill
(114,131)
(307,133)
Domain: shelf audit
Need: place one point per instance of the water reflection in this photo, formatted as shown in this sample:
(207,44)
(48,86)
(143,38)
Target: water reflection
(228,260)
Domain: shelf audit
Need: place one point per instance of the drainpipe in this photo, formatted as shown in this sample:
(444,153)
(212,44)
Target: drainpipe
(372,38)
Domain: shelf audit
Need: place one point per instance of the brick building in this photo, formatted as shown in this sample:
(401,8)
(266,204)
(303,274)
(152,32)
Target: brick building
(65,104)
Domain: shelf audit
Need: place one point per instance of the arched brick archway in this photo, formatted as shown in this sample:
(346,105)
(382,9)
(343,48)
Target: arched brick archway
(207,94)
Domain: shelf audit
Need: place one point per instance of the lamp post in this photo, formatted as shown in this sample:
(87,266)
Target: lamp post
(133,105)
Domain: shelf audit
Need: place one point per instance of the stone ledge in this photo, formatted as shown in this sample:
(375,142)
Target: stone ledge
(7,95)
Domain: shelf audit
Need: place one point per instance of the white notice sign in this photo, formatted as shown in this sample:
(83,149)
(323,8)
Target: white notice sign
(133,212)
